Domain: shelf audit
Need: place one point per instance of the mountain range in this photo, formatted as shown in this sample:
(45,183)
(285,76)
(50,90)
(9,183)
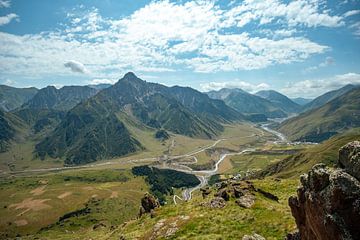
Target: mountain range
(81,124)
(96,128)
(12,98)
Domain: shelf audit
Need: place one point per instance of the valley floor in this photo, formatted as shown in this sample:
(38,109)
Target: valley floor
(101,201)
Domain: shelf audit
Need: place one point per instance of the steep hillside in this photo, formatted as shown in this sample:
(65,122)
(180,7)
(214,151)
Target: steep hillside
(247,103)
(10,125)
(326,152)
(11,98)
(319,124)
(94,129)
(327,97)
(62,99)
(279,100)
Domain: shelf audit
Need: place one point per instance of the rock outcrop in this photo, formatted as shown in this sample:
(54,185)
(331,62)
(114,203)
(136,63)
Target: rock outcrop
(327,205)
(148,204)
(349,158)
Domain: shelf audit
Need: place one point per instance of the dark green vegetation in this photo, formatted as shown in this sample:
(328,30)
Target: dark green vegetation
(162,135)
(94,129)
(162,181)
(247,103)
(12,98)
(62,99)
(326,152)
(279,100)
(327,97)
(338,115)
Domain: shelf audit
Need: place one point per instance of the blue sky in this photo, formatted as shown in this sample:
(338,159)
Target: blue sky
(300,48)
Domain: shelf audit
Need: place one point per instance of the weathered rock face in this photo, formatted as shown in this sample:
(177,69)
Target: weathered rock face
(327,205)
(349,158)
(246,201)
(148,204)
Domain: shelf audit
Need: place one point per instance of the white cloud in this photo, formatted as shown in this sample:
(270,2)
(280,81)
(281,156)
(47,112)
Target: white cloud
(249,87)
(164,36)
(329,61)
(9,82)
(351,13)
(102,81)
(315,87)
(76,66)
(300,12)
(356,28)
(8,18)
(4,3)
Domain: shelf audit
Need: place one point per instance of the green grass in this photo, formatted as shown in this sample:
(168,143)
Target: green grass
(242,163)
(267,218)
(118,191)
(326,152)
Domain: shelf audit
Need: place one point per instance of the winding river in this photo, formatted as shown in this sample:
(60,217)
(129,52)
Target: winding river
(204,175)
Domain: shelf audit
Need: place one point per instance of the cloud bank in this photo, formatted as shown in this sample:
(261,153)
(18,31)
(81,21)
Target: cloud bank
(168,36)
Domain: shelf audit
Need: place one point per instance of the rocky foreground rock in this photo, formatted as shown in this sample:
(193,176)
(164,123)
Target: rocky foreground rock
(327,205)
(148,204)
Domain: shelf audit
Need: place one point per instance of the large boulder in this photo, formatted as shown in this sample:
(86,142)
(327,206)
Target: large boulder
(327,205)
(246,201)
(349,158)
(148,204)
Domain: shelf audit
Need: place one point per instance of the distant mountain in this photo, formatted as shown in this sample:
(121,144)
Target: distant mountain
(319,124)
(62,99)
(279,100)
(100,86)
(327,97)
(96,128)
(247,103)
(301,101)
(11,98)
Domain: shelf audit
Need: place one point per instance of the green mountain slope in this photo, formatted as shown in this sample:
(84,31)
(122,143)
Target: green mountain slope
(247,103)
(326,152)
(10,126)
(62,99)
(327,97)
(94,129)
(319,124)
(11,98)
(279,100)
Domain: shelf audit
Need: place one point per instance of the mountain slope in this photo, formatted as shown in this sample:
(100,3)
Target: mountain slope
(95,129)
(10,126)
(319,124)
(62,99)
(327,97)
(279,100)
(11,98)
(326,152)
(247,103)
